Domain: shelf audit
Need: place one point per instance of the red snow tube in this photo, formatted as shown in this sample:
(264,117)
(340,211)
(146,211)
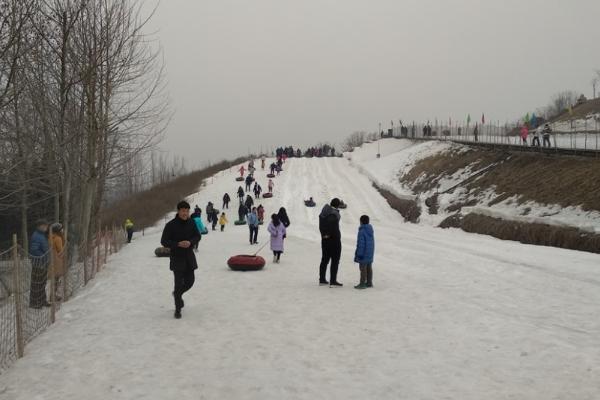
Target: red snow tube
(270,175)
(246,263)
(239,178)
(268,195)
(162,252)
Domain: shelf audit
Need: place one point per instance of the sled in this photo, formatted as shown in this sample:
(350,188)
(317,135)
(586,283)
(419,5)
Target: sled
(307,203)
(268,195)
(239,179)
(162,252)
(246,263)
(240,222)
(270,175)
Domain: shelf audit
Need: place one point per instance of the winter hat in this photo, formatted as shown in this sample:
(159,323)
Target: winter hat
(364,219)
(335,203)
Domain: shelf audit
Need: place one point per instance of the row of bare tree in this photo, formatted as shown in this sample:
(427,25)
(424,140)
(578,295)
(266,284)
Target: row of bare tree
(81,101)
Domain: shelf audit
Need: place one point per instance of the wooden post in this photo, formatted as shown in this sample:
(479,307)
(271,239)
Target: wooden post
(52,279)
(18,300)
(105,246)
(85,263)
(66,269)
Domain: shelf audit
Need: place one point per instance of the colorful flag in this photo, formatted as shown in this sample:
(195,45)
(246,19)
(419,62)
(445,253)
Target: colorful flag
(468,119)
(527,118)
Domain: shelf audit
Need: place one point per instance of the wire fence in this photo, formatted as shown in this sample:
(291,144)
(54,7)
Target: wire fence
(33,287)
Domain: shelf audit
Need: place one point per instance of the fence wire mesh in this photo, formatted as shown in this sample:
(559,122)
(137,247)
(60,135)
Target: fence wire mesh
(33,287)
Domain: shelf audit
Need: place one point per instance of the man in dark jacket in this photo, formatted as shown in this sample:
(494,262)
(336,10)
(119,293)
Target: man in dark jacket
(40,259)
(180,236)
(331,242)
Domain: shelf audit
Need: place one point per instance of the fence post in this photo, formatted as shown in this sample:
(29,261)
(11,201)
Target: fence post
(17,294)
(85,264)
(105,246)
(52,279)
(98,262)
(66,270)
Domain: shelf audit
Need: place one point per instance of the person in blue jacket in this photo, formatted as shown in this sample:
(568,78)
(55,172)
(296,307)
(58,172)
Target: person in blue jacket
(365,250)
(197,218)
(40,258)
(252,220)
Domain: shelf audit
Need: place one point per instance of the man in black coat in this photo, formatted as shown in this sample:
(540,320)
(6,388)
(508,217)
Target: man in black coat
(331,243)
(180,236)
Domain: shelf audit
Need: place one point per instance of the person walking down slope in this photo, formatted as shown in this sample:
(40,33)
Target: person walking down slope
(365,250)
(260,211)
(242,211)
(129,229)
(262,163)
(180,235)
(248,183)
(209,211)
(331,242)
(240,194)
(226,200)
(214,218)
(270,185)
(249,203)
(223,221)
(242,170)
(257,190)
(252,220)
(278,234)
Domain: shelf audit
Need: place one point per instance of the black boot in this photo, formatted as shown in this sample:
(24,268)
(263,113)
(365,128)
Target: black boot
(177,313)
(363,278)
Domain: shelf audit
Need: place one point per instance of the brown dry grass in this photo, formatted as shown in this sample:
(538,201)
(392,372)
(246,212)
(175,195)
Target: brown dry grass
(430,170)
(537,234)
(409,209)
(147,207)
(545,179)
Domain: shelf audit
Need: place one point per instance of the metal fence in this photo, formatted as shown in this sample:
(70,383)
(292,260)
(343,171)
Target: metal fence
(33,288)
(563,136)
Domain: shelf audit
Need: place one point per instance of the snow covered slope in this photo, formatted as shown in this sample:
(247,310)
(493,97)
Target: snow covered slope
(452,315)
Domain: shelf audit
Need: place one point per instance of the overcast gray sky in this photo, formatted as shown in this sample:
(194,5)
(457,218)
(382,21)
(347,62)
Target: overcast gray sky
(251,74)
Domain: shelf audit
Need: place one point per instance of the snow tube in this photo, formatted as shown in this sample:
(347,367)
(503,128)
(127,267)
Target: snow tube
(270,175)
(240,222)
(268,195)
(309,204)
(239,179)
(246,263)
(343,205)
(162,252)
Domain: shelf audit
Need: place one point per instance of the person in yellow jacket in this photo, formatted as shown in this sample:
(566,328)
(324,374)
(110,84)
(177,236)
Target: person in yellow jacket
(223,221)
(57,244)
(129,229)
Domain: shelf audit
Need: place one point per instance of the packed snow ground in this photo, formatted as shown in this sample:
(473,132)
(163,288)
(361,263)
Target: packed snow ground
(452,315)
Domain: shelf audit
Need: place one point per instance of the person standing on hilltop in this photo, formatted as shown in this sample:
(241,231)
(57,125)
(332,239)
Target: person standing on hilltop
(546,132)
(331,242)
(226,200)
(180,236)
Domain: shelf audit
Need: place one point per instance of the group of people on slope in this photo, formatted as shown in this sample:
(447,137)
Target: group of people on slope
(544,131)
(181,235)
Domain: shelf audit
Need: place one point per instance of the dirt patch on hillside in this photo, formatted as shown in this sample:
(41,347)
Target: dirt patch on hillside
(528,233)
(409,209)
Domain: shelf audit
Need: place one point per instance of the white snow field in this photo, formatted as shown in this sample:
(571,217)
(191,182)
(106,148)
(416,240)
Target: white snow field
(452,315)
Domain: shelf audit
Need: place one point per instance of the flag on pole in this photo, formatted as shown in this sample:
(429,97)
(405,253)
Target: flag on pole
(533,120)
(468,119)
(527,118)
(482,119)
(450,121)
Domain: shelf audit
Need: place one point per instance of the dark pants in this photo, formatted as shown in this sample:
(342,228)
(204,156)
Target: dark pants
(129,235)
(536,141)
(226,205)
(253,234)
(331,250)
(214,223)
(547,140)
(277,254)
(39,276)
(222,228)
(184,280)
